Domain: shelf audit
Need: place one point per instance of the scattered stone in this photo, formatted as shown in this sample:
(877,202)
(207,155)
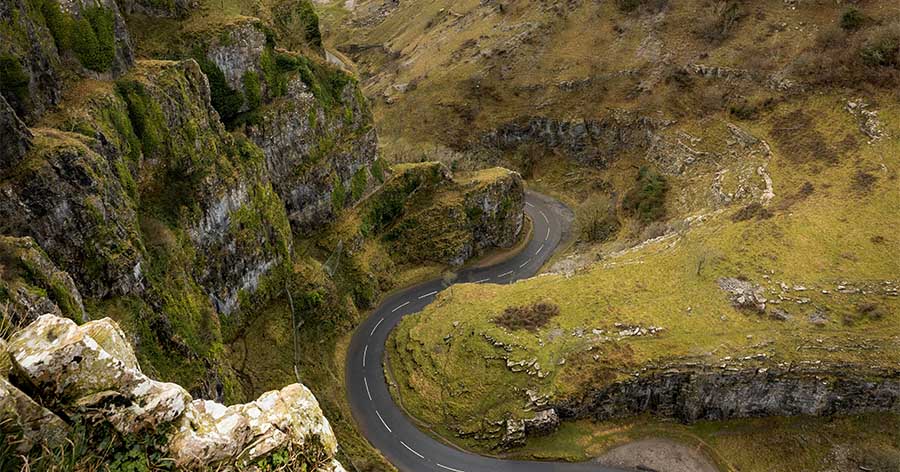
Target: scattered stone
(818,318)
(779,314)
(744,294)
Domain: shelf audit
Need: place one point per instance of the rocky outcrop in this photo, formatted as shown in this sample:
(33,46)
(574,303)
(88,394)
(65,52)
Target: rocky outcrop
(427,214)
(31,285)
(89,375)
(312,153)
(30,49)
(692,394)
(516,431)
(71,201)
(592,142)
(15,138)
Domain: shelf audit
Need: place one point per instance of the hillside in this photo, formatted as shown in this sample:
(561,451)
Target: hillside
(733,168)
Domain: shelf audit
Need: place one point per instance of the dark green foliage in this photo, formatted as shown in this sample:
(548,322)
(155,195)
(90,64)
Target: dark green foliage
(325,82)
(225,100)
(252,89)
(145,116)
(91,37)
(646,200)
(852,19)
(377,170)
(883,50)
(358,184)
(275,67)
(57,22)
(310,22)
(14,83)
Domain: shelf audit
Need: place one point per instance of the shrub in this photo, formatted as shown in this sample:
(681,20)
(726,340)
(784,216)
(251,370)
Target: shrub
(93,40)
(252,89)
(338,195)
(531,317)
(225,99)
(144,114)
(378,171)
(358,184)
(883,48)
(14,83)
(852,19)
(720,20)
(597,220)
(57,22)
(646,199)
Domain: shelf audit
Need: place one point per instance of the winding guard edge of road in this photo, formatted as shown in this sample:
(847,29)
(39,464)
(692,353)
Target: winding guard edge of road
(384,424)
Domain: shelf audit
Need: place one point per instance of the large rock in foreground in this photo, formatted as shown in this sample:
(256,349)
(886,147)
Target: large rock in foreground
(89,375)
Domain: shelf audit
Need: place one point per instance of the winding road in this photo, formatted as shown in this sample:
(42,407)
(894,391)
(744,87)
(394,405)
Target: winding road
(382,422)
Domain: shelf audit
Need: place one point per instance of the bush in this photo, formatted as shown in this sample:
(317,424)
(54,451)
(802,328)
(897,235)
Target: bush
(883,48)
(852,19)
(630,6)
(145,116)
(338,195)
(646,200)
(531,317)
(252,89)
(720,20)
(225,100)
(14,83)
(597,220)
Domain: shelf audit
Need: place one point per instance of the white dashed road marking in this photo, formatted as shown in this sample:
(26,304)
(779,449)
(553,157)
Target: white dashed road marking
(382,421)
(529,204)
(539,250)
(505,274)
(428,294)
(451,469)
(548,234)
(482,281)
(367,388)
(412,450)
(365,351)
(545,217)
(399,307)
(376,326)
(525,263)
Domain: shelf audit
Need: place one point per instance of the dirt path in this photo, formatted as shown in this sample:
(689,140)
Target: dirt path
(661,455)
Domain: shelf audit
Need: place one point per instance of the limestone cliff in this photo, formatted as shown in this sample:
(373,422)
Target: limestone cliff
(86,378)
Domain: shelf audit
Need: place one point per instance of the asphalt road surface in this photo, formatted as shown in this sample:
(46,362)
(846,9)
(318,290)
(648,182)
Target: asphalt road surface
(382,422)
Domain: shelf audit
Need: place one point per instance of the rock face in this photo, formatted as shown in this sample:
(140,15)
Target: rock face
(593,142)
(296,132)
(690,395)
(31,285)
(34,51)
(448,220)
(89,374)
(15,139)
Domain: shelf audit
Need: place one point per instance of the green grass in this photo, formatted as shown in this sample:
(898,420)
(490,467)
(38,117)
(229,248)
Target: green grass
(836,234)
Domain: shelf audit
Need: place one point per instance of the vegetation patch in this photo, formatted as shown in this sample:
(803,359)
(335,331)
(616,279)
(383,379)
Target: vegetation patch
(530,317)
(646,200)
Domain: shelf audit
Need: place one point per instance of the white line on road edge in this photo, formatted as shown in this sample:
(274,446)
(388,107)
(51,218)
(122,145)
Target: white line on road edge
(382,421)
(367,388)
(428,294)
(548,234)
(399,307)
(529,204)
(412,450)
(525,263)
(539,250)
(365,351)
(505,274)
(481,281)
(376,326)
(545,217)
(448,468)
